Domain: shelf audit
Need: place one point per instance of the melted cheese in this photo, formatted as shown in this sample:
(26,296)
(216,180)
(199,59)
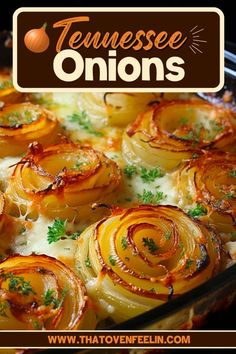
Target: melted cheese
(34,240)
(6,169)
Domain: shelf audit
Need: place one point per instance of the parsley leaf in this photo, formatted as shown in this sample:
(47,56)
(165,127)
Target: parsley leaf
(88,263)
(150,244)
(18,284)
(167,235)
(232,173)
(150,175)
(50,298)
(149,198)
(199,210)
(130,170)
(183,120)
(82,119)
(3,306)
(189,262)
(124,243)
(56,231)
(112,260)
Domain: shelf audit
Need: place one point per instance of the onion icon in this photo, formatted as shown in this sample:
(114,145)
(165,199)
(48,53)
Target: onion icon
(37,40)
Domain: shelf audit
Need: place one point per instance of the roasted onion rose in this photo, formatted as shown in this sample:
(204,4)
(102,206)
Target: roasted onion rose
(8,94)
(62,180)
(23,123)
(115,108)
(206,188)
(139,258)
(173,131)
(40,292)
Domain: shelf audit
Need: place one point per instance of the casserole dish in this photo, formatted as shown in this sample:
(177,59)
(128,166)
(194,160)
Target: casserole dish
(189,309)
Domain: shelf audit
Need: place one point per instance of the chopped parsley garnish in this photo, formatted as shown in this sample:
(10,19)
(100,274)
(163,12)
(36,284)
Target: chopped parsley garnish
(50,298)
(130,170)
(128,199)
(229,195)
(233,235)
(124,243)
(112,261)
(189,262)
(18,284)
(14,119)
(199,210)
(191,135)
(150,175)
(37,325)
(82,119)
(58,232)
(152,290)
(3,306)
(78,165)
(6,84)
(88,263)
(232,173)
(149,198)
(183,121)
(150,244)
(167,235)
(217,127)
(195,155)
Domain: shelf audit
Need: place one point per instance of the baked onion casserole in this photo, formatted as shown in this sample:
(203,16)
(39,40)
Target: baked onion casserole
(110,204)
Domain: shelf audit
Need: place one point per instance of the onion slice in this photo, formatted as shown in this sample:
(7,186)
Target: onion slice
(40,292)
(209,181)
(62,179)
(23,123)
(171,132)
(139,258)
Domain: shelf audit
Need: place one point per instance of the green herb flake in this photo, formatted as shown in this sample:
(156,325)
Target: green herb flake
(167,235)
(56,231)
(18,284)
(82,119)
(49,298)
(183,121)
(37,325)
(233,235)
(3,307)
(128,199)
(6,84)
(75,235)
(88,263)
(150,244)
(150,175)
(232,173)
(188,264)
(216,126)
(229,195)
(124,243)
(195,155)
(149,198)
(112,261)
(130,170)
(198,210)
